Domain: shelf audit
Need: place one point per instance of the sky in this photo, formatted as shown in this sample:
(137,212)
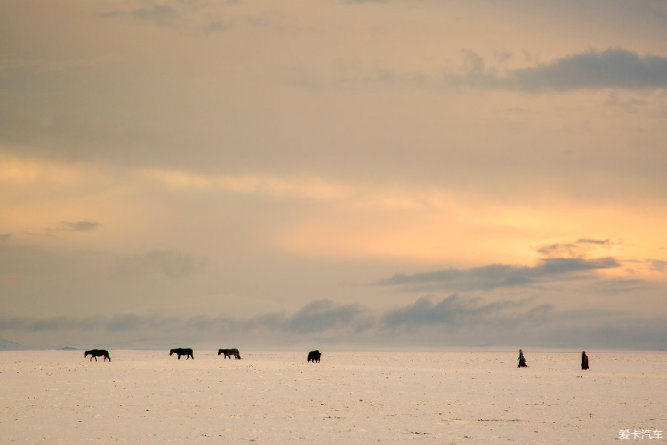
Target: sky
(332,173)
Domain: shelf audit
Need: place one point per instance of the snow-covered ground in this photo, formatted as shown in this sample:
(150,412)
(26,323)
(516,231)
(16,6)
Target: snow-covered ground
(148,397)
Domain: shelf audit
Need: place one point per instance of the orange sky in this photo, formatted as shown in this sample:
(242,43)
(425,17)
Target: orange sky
(166,157)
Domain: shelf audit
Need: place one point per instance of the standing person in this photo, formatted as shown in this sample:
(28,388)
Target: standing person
(584,360)
(522,360)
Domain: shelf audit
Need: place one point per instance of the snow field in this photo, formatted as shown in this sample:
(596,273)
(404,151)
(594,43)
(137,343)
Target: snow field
(148,397)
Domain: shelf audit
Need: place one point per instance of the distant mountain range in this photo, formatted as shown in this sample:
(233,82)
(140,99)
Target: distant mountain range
(6,345)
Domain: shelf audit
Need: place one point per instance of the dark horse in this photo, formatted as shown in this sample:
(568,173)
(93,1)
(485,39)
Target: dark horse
(314,356)
(229,353)
(182,351)
(94,353)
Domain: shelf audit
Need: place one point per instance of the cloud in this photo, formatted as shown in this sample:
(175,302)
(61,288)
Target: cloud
(600,242)
(81,226)
(170,263)
(657,265)
(612,68)
(453,310)
(75,226)
(502,275)
(560,250)
(5,237)
(579,248)
(621,286)
(48,324)
(325,315)
(450,321)
(158,14)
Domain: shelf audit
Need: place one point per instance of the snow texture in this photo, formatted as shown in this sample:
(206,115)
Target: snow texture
(147,397)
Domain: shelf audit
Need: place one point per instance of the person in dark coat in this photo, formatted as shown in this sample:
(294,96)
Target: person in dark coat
(584,360)
(522,360)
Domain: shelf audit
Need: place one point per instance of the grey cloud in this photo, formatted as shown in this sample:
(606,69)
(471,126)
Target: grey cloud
(658,265)
(577,248)
(560,250)
(50,324)
(5,236)
(503,275)
(452,310)
(620,286)
(612,68)
(125,322)
(602,242)
(453,320)
(81,226)
(323,315)
(170,263)
(75,226)
(159,14)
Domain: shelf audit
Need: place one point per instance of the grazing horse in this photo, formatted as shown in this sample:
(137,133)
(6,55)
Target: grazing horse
(94,353)
(182,351)
(314,356)
(229,353)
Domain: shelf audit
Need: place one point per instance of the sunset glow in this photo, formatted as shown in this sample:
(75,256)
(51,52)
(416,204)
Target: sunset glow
(245,161)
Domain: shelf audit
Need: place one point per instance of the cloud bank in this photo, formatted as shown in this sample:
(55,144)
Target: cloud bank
(429,322)
(611,68)
(579,248)
(503,275)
